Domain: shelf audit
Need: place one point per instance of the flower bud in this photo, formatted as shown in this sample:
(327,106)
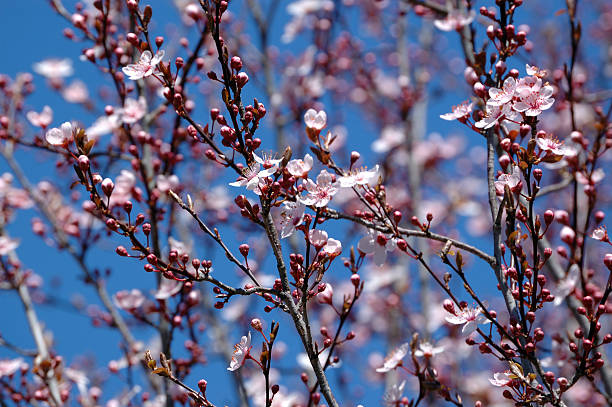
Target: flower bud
(108,186)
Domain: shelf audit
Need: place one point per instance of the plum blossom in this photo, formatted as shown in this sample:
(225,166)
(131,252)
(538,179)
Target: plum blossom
(600,234)
(566,285)
(250,178)
(394,394)
(76,92)
(10,366)
(321,193)
(326,296)
(146,66)
(7,245)
(133,110)
(241,352)
(589,179)
(394,358)
(315,120)
(360,177)
(494,114)
(512,180)
(166,183)
(377,243)
(427,350)
(269,164)
(103,125)
(499,97)
(299,168)
(333,247)
(317,237)
(501,379)
(168,288)
(534,102)
(390,137)
(460,112)
(470,318)
(287,217)
(455,20)
(129,300)
(61,136)
(54,68)
(42,119)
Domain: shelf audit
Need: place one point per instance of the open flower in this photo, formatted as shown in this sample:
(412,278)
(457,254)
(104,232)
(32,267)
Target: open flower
(241,352)
(600,234)
(61,136)
(269,164)
(495,114)
(460,112)
(317,237)
(315,120)
(499,97)
(551,145)
(501,379)
(455,20)
(146,66)
(394,359)
(533,103)
(333,247)
(566,285)
(10,366)
(133,110)
(299,168)
(42,119)
(54,68)
(377,243)
(394,395)
(512,180)
(427,350)
(360,177)
(7,245)
(287,217)
(470,318)
(129,300)
(321,193)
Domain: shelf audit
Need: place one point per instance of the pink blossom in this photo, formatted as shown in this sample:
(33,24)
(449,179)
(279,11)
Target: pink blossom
(133,110)
(166,183)
(495,114)
(241,352)
(394,358)
(269,164)
(460,112)
(42,119)
(333,247)
(61,136)
(512,180)
(321,193)
(8,367)
(54,68)
(287,217)
(146,66)
(390,138)
(427,350)
(499,97)
(315,120)
(589,179)
(317,237)
(501,379)
(326,296)
(7,245)
(377,243)
(168,288)
(129,300)
(394,395)
(455,20)
(76,92)
(600,234)
(566,285)
(299,168)
(470,318)
(360,177)
(250,178)
(533,103)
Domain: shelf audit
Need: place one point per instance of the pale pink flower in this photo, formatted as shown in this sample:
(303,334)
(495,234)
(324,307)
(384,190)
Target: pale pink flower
(166,183)
(241,352)
(317,237)
(470,318)
(533,103)
(535,71)
(249,179)
(321,193)
(103,125)
(76,92)
(377,243)
(333,247)
(299,168)
(133,110)
(566,285)
(600,234)
(390,137)
(360,177)
(499,97)
(269,164)
(495,114)
(129,300)
(168,288)
(512,180)
(455,20)
(528,84)
(326,296)
(594,178)
(8,367)
(551,145)
(7,245)
(394,358)
(61,136)
(501,379)
(427,350)
(394,395)
(460,112)
(54,68)
(315,120)
(287,217)
(146,66)
(42,119)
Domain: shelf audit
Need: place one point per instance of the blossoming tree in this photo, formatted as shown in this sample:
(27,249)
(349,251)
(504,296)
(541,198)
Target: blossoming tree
(286,192)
